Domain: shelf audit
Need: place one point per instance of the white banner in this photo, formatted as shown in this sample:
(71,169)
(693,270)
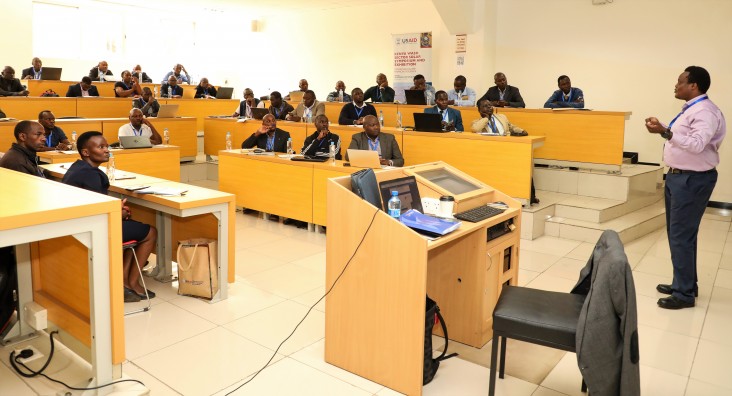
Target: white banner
(412,56)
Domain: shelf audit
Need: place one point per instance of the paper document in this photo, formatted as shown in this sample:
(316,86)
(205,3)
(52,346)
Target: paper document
(162,191)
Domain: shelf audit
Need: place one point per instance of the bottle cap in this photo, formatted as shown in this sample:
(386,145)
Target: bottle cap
(395,193)
(447,198)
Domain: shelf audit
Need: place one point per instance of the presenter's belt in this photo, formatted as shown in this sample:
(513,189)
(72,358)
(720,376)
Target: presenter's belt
(680,171)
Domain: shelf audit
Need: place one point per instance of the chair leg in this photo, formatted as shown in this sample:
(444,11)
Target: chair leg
(584,386)
(137,263)
(494,358)
(503,357)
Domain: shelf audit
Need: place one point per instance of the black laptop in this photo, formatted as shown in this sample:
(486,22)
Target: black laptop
(51,73)
(224,93)
(259,112)
(428,122)
(415,97)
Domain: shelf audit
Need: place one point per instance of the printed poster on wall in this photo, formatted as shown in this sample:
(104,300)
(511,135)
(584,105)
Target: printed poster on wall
(412,56)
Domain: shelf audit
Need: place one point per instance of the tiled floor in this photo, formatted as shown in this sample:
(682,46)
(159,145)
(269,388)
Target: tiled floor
(186,346)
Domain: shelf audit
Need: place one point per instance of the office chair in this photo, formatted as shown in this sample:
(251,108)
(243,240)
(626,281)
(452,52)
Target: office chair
(132,245)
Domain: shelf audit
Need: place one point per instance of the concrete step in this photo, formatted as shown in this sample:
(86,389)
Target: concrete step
(600,210)
(622,186)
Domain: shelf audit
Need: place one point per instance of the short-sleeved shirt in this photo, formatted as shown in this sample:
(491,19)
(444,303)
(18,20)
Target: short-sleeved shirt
(122,85)
(128,130)
(56,136)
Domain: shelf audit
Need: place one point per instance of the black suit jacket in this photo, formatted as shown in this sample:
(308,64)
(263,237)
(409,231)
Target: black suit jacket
(280,141)
(75,91)
(94,73)
(27,72)
(512,96)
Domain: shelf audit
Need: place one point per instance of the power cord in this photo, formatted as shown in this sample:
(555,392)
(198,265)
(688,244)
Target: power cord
(26,353)
(313,306)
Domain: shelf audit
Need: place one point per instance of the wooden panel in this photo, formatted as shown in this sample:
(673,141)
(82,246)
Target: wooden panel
(200,109)
(214,135)
(321,174)
(390,113)
(28,108)
(470,114)
(37,87)
(6,135)
(103,107)
(106,89)
(158,162)
(333,110)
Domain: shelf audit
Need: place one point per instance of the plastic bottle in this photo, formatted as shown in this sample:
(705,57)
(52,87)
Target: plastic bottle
(101,75)
(170,92)
(166,137)
(381,118)
(428,96)
(399,119)
(340,96)
(110,167)
(395,205)
(73,140)
(228,140)
(289,146)
(155,91)
(332,152)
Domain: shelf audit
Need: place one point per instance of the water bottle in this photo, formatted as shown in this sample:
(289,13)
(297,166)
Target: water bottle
(399,119)
(73,140)
(166,137)
(101,75)
(381,118)
(110,167)
(395,205)
(155,91)
(340,96)
(228,140)
(289,146)
(170,92)
(332,152)
(428,96)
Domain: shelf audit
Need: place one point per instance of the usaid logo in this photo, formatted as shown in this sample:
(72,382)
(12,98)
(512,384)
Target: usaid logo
(400,41)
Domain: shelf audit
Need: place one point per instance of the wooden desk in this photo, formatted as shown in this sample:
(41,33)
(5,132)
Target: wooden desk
(214,136)
(159,161)
(26,108)
(200,213)
(83,297)
(333,110)
(202,108)
(99,107)
(105,89)
(379,299)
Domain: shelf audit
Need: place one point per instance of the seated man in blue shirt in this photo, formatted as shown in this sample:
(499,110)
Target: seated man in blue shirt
(176,72)
(54,137)
(318,144)
(451,118)
(566,95)
(85,173)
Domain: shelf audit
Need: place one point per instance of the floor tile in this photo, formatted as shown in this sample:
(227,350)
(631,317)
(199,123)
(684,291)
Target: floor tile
(724,279)
(156,387)
(655,265)
(565,377)
(541,391)
(699,388)
(712,364)
(526,276)
(550,245)
(665,350)
(458,377)
(315,263)
(296,249)
(249,262)
(687,322)
(287,280)
(552,283)
(719,317)
(655,382)
(309,298)
(536,261)
(567,268)
(250,237)
(12,384)
(582,252)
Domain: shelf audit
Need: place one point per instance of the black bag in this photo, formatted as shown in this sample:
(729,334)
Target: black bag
(431,365)
(8,288)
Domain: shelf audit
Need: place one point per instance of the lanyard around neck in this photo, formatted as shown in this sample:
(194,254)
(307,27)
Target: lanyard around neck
(705,97)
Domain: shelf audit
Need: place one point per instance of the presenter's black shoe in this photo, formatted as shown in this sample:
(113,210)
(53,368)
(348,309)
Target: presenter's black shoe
(666,289)
(672,302)
(131,296)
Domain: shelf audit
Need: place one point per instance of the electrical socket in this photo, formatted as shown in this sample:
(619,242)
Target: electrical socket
(36,354)
(36,316)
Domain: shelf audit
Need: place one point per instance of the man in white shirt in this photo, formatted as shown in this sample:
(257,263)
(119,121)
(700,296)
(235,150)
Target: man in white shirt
(140,126)
(461,95)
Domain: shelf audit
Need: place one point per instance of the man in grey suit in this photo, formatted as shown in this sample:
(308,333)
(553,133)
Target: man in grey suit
(503,95)
(372,139)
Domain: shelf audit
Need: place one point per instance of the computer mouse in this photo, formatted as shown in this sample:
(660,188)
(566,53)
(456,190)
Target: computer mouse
(258,151)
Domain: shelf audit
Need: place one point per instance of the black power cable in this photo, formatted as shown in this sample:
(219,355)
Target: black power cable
(313,306)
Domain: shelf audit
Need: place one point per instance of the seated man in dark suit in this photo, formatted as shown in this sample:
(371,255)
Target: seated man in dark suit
(141,75)
(21,157)
(268,136)
(319,142)
(204,90)
(246,105)
(128,87)
(147,103)
(82,89)
(100,72)
(353,113)
(381,92)
(278,107)
(452,120)
(171,89)
(503,95)
(372,139)
(9,85)
(566,95)
(33,72)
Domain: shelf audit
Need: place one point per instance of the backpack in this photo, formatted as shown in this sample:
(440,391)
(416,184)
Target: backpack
(431,364)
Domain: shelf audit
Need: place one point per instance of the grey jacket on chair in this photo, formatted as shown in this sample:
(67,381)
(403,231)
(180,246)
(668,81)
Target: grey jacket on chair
(608,322)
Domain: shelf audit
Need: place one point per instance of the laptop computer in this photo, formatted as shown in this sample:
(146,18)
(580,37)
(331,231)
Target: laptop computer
(134,142)
(224,93)
(259,112)
(296,96)
(415,97)
(364,158)
(168,111)
(51,73)
(427,122)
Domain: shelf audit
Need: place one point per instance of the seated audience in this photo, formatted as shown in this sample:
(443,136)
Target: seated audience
(85,173)
(502,94)
(318,144)
(205,90)
(566,95)
(461,95)
(372,139)
(176,72)
(82,89)
(429,90)
(141,75)
(334,96)
(452,120)
(353,113)
(21,156)
(54,137)
(278,107)
(302,87)
(381,92)
(9,85)
(246,105)
(139,126)
(128,87)
(33,72)
(100,72)
(307,109)
(147,103)
(268,136)
(171,89)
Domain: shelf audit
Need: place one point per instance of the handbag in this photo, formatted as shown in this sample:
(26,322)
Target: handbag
(198,268)
(431,365)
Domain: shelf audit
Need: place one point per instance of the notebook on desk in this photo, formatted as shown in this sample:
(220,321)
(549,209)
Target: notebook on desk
(134,142)
(168,111)
(224,93)
(364,158)
(51,73)
(415,97)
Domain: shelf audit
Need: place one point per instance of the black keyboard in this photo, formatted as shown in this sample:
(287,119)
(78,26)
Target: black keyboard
(480,213)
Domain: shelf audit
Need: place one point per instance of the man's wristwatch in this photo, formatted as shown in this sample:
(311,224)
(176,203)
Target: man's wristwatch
(667,134)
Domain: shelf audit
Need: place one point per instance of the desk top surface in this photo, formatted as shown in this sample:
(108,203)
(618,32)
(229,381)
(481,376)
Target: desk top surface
(71,155)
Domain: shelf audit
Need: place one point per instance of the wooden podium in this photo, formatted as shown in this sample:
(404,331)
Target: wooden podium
(375,313)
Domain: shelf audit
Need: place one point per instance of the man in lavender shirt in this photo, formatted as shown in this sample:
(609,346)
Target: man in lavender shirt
(691,151)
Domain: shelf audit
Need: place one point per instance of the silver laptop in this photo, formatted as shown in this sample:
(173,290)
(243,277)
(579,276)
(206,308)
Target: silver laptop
(364,158)
(168,111)
(134,142)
